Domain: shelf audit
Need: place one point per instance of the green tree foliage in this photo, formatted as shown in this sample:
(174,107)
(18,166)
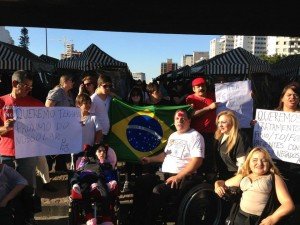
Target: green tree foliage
(24,38)
(272,58)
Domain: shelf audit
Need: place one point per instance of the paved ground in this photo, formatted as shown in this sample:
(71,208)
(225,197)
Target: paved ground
(55,205)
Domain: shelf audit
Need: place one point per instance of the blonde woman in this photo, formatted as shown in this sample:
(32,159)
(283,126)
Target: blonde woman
(232,144)
(256,180)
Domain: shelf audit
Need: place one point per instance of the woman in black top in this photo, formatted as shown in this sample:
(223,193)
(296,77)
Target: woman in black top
(232,144)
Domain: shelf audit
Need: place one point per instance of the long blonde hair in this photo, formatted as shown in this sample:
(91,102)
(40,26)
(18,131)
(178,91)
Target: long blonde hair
(245,171)
(233,133)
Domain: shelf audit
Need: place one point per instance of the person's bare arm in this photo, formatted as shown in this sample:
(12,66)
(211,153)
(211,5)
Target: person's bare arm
(156,158)
(98,136)
(221,186)
(8,126)
(287,205)
(50,103)
(190,168)
(200,112)
(13,193)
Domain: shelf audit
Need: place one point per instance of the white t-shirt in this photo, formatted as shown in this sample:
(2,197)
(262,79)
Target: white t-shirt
(180,150)
(100,109)
(91,125)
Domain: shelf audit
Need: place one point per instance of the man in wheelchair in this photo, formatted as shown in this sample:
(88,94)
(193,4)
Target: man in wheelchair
(182,156)
(16,205)
(95,180)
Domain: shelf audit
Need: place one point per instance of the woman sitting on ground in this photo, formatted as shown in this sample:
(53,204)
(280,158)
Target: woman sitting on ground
(255,180)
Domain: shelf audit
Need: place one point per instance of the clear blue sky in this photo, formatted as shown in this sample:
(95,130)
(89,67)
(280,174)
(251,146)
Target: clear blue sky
(143,52)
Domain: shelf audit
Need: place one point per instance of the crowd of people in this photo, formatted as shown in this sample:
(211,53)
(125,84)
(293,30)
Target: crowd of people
(204,142)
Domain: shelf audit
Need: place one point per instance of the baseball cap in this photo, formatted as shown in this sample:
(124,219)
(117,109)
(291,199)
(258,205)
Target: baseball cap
(198,81)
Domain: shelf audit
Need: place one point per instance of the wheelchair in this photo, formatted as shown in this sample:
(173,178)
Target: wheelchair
(77,207)
(92,203)
(197,206)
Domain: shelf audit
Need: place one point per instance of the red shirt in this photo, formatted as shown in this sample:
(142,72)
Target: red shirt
(7,145)
(207,122)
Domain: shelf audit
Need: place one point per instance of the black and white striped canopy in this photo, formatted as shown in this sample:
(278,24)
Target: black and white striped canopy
(11,59)
(237,61)
(16,58)
(288,66)
(91,59)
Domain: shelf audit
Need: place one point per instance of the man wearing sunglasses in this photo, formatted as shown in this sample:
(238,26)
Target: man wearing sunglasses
(19,96)
(101,102)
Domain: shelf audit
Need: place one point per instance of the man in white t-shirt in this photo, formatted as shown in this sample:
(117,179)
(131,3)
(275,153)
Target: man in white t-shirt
(181,158)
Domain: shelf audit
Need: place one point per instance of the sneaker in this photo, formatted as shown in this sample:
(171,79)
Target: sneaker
(126,187)
(92,221)
(76,192)
(49,187)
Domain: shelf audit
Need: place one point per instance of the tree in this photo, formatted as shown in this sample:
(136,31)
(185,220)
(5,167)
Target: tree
(272,58)
(24,38)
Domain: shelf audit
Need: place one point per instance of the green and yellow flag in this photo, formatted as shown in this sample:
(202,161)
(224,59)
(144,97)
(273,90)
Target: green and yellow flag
(138,131)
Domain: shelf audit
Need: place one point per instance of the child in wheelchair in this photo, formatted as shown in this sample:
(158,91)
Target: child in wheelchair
(95,180)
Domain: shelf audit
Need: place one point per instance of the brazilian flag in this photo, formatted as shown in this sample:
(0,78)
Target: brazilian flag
(138,131)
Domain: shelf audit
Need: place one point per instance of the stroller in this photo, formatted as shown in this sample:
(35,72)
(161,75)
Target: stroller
(97,202)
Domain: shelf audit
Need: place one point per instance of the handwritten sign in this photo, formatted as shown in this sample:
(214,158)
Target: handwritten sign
(46,131)
(279,133)
(236,96)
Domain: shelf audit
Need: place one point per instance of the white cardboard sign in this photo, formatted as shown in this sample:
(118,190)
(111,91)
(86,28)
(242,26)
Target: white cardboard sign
(236,96)
(42,131)
(279,133)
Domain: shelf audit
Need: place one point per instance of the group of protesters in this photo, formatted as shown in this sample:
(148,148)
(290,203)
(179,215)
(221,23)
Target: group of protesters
(203,141)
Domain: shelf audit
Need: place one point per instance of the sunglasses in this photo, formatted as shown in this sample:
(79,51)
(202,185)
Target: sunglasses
(25,85)
(87,84)
(106,86)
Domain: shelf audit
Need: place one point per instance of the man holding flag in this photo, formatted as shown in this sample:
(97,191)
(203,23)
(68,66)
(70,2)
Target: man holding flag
(182,156)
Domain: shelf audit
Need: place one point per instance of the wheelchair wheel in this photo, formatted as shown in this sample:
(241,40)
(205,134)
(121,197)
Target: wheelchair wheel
(74,213)
(200,206)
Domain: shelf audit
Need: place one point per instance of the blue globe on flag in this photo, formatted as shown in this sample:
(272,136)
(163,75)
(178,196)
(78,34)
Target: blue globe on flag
(144,133)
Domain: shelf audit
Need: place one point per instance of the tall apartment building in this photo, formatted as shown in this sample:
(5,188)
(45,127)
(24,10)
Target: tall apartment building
(168,66)
(139,76)
(257,45)
(69,51)
(283,45)
(5,36)
(221,45)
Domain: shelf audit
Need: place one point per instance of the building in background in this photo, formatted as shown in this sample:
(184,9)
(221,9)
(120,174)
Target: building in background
(187,60)
(5,36)
(283,45)
(257,45)
(139,76)
(69,51)
(221,45)
(199,56)
(168,66)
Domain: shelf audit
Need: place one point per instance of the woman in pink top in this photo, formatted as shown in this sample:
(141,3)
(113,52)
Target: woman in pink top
(255,180)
